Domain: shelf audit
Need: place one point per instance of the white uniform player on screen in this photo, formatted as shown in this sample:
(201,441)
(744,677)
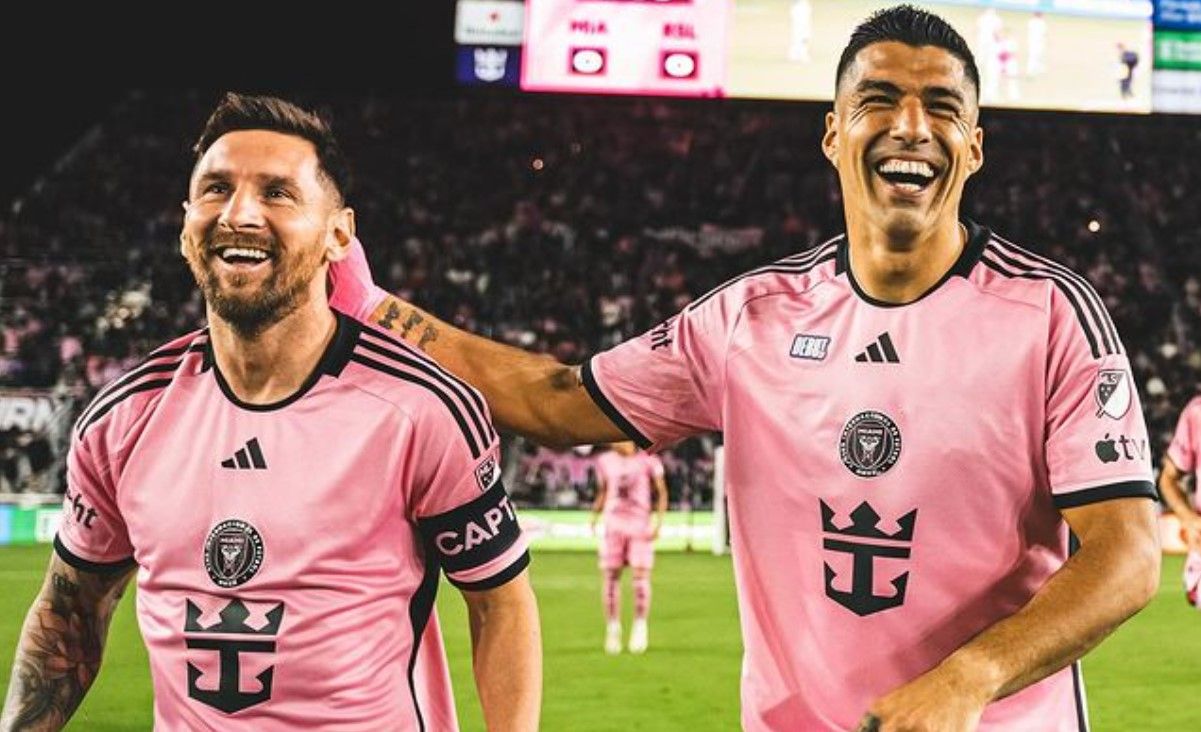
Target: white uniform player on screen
(1181,460)
(1036,45)
(626,480)
(988,34)
(801,15)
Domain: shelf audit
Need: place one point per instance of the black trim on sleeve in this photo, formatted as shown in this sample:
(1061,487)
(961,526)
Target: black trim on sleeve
(80,563)
(421,607)
(495,580)
(610,411)
(1128,489)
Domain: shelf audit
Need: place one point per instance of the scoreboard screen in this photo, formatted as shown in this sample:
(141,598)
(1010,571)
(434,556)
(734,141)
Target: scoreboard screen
(661,47)
(1077,55)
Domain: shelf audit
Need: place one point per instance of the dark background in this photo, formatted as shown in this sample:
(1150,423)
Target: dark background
(59,74)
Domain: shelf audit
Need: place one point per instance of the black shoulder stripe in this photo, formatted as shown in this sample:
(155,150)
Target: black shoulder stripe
(475,411)
(135,389)
(1109,332)
(144,368)
(429,386)
(797,264)
(421,357)
(1091,333)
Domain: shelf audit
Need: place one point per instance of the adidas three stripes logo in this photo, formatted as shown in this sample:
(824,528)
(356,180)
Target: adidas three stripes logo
(880,350)
(248,457)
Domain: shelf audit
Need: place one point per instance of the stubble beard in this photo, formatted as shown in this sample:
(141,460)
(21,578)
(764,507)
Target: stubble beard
(250,313)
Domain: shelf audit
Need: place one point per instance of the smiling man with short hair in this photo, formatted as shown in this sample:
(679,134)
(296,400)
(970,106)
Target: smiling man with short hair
(914,416)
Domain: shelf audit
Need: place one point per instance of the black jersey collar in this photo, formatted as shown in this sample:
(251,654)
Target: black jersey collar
(977,238)
(332,361)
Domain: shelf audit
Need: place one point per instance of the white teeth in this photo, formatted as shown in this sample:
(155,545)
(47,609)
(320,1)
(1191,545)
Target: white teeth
(909,167)
(258,254)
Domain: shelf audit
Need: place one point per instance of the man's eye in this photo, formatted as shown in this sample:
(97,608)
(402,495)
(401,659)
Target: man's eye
(877,99)
(216,188)
(278,193)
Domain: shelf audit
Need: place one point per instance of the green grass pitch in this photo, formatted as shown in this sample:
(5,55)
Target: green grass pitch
(1145,677)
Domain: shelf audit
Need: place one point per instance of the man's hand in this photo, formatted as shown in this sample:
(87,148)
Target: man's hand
(940,700)
(1190,528)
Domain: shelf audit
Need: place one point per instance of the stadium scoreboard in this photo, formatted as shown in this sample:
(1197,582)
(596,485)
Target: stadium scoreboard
(1073,55)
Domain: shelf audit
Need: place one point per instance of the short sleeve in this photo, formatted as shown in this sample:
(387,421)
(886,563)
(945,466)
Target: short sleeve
(1096,440)
(1183,448)
(654,465)
(666,384)
(351,289)
(92,535)
(459,502)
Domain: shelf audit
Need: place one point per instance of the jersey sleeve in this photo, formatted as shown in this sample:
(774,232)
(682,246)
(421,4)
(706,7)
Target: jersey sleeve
(92,535)
(668,383)
(1096,439)
(655,466)
(351,288)
(1183,448)
(460,504)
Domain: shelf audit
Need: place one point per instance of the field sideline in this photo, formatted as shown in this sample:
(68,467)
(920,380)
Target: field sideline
(1146,677)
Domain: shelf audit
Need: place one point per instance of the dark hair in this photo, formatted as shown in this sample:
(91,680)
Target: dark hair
(246,112)
(911,26)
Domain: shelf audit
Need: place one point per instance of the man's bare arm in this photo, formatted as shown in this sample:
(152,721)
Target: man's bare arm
(507,654)
(1170,479)
(531,394)
(1113,575)
(61,644)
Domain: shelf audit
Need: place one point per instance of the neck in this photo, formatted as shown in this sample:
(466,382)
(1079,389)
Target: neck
(899,270)
(272,365)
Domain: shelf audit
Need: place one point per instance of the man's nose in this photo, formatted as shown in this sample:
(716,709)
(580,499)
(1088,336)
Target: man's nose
(242,211)
(911,125)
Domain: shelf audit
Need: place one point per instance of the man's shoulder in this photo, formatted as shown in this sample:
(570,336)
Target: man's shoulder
(411,380)
(138,389)
(791,275)
(1020,273)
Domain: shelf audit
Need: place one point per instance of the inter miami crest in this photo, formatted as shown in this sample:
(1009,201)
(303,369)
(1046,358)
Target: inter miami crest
(870,444)
(1112,393)
(233,553)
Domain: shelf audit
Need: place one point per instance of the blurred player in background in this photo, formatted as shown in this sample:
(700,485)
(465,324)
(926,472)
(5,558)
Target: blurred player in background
(910,424)
(626,479)
(801,17)
(1036,45)
(988,34)
(287,483)
(1127,61)
(1179,462)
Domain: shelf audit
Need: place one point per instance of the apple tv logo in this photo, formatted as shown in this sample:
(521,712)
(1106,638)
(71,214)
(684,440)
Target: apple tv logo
(1107,449)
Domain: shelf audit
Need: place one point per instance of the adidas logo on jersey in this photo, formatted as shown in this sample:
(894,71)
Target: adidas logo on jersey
(880,350)
(248,457)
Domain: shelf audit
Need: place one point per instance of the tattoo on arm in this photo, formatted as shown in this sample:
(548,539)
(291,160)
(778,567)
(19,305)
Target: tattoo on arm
(429,335)
(391,314)
(61,644)
(567,378)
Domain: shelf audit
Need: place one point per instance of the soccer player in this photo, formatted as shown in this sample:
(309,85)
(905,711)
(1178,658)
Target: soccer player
(1180,460)
(625,480)
(286,483)
(916,414)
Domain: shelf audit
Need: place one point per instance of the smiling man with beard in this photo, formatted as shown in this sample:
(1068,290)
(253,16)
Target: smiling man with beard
(288,484)
(910,414)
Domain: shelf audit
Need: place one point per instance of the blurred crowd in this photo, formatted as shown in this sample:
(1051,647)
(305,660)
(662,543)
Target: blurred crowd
(567,224)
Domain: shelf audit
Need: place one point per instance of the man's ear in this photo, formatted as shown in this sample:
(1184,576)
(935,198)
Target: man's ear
(341,234)
(976,151)
(183,238)
(830,139)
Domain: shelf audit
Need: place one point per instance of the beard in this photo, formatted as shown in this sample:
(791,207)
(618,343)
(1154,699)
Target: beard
(252,311)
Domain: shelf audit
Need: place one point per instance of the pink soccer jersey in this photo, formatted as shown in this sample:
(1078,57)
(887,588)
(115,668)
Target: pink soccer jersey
(1183,451)
(895,474)
(1186,442)
(629,491)
(288,554)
